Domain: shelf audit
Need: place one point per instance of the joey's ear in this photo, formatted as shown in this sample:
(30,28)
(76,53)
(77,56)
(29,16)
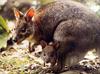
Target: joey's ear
(30,13)
(17,13)
(56,45)
(43,43)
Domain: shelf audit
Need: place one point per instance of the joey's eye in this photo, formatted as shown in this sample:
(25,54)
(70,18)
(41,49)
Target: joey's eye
(23,30)
(44,54)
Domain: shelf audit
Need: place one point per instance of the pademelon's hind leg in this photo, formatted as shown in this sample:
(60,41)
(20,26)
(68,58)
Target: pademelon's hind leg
(71,33)
(66,34)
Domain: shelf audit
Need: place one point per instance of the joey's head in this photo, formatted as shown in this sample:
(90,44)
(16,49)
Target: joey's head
(25,27)
(49,53)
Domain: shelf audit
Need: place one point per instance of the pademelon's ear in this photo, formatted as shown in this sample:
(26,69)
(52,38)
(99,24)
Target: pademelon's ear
(30,13)
(17,13)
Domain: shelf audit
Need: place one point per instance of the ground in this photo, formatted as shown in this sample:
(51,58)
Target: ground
(18,60)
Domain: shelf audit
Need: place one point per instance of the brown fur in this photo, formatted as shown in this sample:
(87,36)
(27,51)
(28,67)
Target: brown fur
(72,25)
(53,14)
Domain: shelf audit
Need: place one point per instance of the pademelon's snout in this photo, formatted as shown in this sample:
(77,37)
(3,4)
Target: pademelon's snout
(18,40)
